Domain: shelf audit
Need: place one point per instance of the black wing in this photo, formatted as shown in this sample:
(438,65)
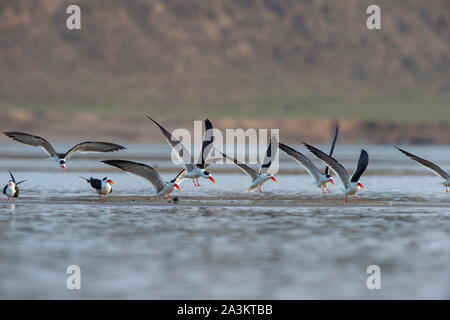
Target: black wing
(178,175)
(181,151)
(363,162)
(139,169)
(32,140)
(12,177)
(93,146)
(270,154)
(208,139)
(95,183)
(4,189)
(333,144)
(427,164)
(16,194)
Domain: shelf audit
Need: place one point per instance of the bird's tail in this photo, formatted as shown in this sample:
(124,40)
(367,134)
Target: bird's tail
(88,180)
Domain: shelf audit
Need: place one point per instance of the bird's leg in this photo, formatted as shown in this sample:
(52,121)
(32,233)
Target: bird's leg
(259,188)
(346,199)
(323,190)
(193,180)
(198,183)
(446,189)
(328,189)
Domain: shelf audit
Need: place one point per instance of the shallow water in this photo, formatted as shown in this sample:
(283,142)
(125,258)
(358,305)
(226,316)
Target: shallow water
(290,242)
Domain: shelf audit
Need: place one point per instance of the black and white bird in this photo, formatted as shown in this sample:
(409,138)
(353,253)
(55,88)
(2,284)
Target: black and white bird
(261,176)
(61,158)
(321,180)
(431,166)
(192,170)
(102,186)
(351,186)
(163,188)
(11,190)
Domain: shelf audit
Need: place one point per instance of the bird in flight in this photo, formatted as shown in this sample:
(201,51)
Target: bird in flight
(192,170)
(61,158)
(261,176)
(163,188)
(431,166)
(351,185)
(320,180)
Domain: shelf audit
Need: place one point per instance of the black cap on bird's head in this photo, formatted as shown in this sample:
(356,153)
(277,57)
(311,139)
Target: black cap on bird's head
(209,176)
(176,186)
(106,179)
(62,164)
(330,178)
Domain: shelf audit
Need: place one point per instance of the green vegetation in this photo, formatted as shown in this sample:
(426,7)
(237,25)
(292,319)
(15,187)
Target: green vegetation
(411,108)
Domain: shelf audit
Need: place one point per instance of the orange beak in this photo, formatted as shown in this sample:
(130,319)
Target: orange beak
(212,179)
(332,181)
(110,181)
(361,185)
(177,187)
(273,178)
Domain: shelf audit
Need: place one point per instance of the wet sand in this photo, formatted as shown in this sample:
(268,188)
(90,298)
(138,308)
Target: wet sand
(242,202)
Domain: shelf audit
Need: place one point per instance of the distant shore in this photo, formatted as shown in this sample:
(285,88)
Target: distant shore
(58,127)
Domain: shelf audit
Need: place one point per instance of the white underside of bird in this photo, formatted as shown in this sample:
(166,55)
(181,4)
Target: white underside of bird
(106,188)
(352,189)
(167,191)
(11,190)
(258,182)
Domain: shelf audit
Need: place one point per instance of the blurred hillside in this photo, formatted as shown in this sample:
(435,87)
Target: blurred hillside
(191,59)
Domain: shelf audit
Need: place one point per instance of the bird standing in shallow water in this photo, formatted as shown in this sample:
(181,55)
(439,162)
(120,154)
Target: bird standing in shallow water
(11,190)
(102,186)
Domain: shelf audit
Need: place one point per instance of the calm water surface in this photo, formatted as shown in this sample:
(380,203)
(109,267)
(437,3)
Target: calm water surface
(131,250)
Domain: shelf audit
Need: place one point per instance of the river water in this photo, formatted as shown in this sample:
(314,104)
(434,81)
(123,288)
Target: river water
(218,242)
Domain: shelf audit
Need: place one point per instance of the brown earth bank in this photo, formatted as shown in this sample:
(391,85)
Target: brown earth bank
(58,127)
(187,52)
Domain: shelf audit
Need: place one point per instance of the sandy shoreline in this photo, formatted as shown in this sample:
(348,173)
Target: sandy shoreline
(235,202)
